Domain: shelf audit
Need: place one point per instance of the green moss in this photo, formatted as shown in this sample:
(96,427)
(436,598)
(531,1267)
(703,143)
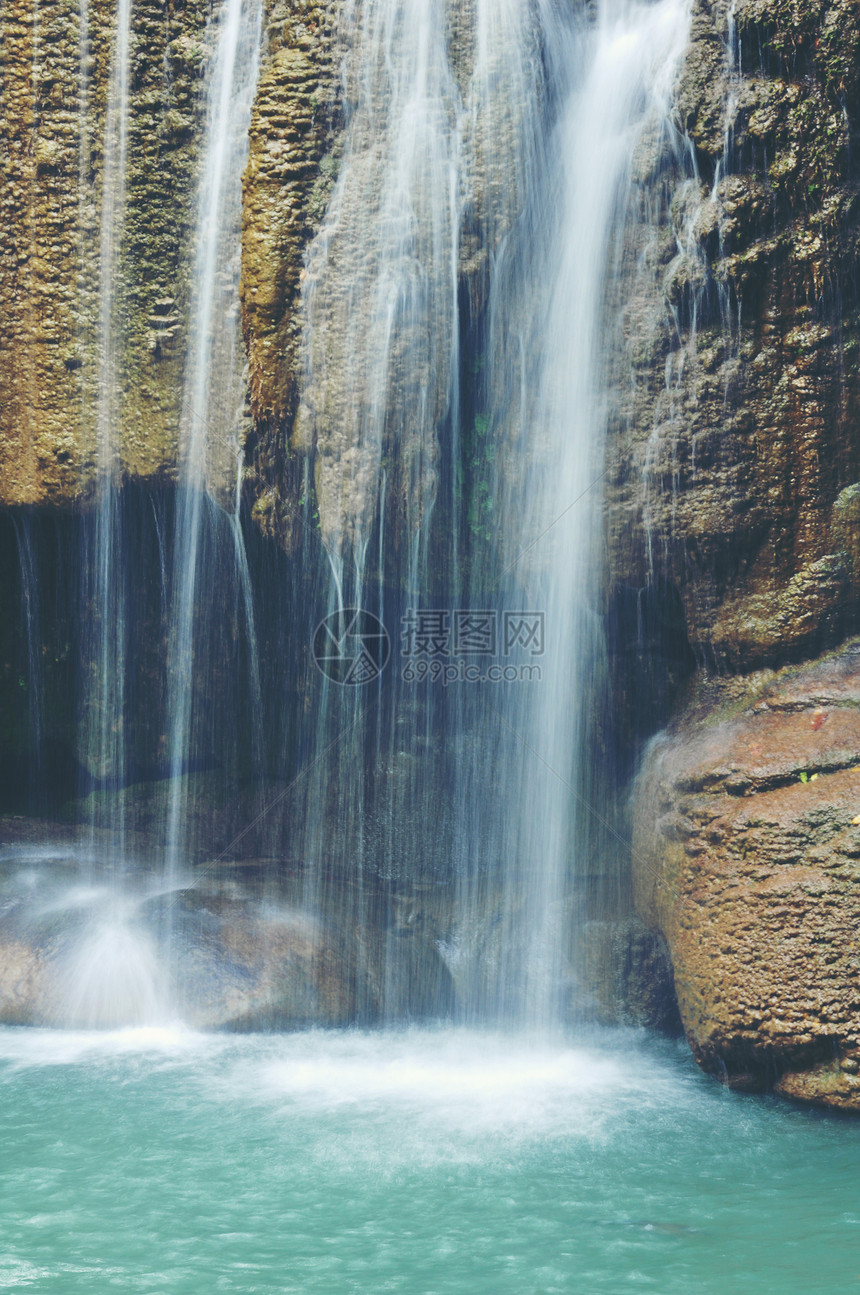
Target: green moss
(323,186)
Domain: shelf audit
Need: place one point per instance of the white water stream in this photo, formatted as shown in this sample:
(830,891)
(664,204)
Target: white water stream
(504,152)
(452,405)
(104,576)
(213,398)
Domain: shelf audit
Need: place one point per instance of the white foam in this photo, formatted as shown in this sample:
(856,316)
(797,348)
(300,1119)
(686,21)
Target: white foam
(445,1092)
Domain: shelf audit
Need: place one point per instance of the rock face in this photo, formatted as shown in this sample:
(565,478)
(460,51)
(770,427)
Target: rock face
(733,529)
(294,149)
(241,946)
(234,965)
(726,481)
(747,859)
(378,164)
(733,446)
(54,78)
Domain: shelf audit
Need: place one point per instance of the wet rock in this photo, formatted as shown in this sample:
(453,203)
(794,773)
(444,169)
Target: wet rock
(88,952)
(737,381)
(248,967)
(294,148)
(623,975)
(346,395)
(746,858)
(215,809)
(22,974)
(87,940)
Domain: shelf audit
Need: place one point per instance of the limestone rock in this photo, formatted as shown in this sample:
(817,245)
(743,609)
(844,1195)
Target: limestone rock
(54,79)
(244,966)
(92,956)
(622,975)
(294,150)
(746,858)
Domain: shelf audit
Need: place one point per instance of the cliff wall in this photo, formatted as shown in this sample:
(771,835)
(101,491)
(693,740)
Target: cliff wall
(54,79)
(733,492)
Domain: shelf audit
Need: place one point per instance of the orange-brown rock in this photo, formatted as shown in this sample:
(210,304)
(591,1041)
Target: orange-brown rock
(747,860)
(41,378)
(54,77)
(293,159)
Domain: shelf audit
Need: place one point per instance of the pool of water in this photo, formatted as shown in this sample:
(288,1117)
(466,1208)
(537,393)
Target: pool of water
(431,1162)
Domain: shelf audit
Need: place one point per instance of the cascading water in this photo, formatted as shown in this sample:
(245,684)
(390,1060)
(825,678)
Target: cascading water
(626,65)
(35,691)
(425,844)
(113,963)
(454,305)
(104,596)
(428,138)
(380,294)
(214,395)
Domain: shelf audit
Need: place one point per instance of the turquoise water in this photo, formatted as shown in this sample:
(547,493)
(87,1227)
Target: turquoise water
(425,1162)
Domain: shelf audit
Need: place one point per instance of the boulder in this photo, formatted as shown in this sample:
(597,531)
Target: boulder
(746,858)
(85,952)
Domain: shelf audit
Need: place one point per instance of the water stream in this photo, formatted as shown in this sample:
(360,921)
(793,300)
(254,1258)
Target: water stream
(104,594)
(427,835)
(612,82)
(116,965)
(212,407)
(469,437)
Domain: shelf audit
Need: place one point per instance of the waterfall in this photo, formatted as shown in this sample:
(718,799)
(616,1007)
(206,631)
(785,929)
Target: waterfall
(32,626)
(114,962)
(380,289)
(213,397)
(430,836)
(104,597)
(613,80)
(210,433)
(442,104)
(453,399)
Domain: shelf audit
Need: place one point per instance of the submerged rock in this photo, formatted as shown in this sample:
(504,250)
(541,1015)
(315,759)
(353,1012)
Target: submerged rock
(242,966)
(747,859)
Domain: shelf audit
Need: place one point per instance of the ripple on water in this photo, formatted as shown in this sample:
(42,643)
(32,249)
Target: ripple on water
(422,1161)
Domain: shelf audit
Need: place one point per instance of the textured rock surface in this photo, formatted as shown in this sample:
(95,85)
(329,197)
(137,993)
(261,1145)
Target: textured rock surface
(731,446)
(622,975)
(350,315)
(41,389)
(747,860)
(242,966)
(725,481)
(732,500)
(54,76)
(294,144)
(254,943)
